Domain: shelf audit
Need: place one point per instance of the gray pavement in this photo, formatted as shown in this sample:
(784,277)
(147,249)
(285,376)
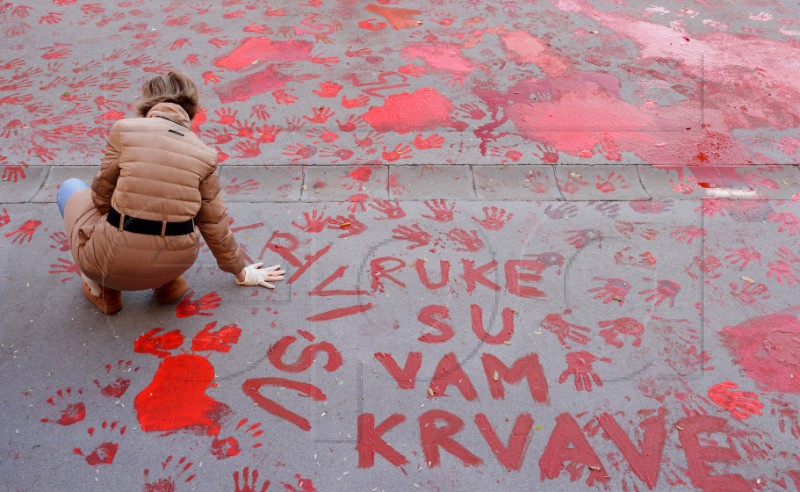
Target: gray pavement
(535,245)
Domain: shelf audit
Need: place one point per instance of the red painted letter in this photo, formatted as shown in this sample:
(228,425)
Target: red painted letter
(405,377)
(477,326)
(567,443)
(513,277)
(370,440)
(444,266)
(513,455)
(472,275)
(428,316)
(377,271)
(434,437)
(449,372)
(698,457)
(647,462)
(527,367)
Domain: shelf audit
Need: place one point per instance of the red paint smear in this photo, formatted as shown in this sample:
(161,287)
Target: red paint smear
(444,56)
(176,398)
(264,49)
(251,85)
(522,47)
(398,18)
(115,389)
(225,448)
(341,312)
(102,455)
(422,110)
(768,349)
(74,412)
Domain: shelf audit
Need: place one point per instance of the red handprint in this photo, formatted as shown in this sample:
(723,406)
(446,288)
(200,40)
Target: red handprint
(705,265)
(357,102)
(216,340)
(472,111)
(219,137)
(750,292)
(687,233)
(299,151)
(244,129)
(51,18)
(611,182)
(187,307)
(149,343)
(787,414)
(360,177)
(782,271)
(664,289)
(413,234)
(536,181)
(400,151)
(615,289)
(60,240)
(13,173)
(249,481)
(367,24)
(25,231)
(328,89)
(547,154)
(43,153)
(69,412)
(621,326)
(235,186)
(787,221)
(741,257)
(247,148)
(369,139)
(712,206)
(582,238)
(645,259)
(350,124)
(257,28)
(391,210)
(259,111)
(631,229)
(350,225)
(494,218)
(579,365)
(564,330)
(741,404)
(65,266)
(227,116)
(319,115)
(315,222)
(434,141)
(563,211)
(442,211)
(268,133)
(337,153)
(5,219)
(467,241)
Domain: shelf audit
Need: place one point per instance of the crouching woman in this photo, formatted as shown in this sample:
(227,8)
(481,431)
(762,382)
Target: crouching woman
(138,226)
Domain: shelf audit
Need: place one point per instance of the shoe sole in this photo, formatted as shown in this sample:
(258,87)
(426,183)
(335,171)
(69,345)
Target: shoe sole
(103,307)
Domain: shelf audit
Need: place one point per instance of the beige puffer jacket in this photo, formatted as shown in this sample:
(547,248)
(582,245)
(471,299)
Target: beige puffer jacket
(154,168)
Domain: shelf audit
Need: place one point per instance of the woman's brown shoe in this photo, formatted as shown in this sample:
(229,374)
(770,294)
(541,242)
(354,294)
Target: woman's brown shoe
(109,301)
(172,291)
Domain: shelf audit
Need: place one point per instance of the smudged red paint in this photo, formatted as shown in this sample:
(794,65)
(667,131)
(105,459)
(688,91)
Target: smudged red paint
(422,110)
(176,397)
(253,50)
(225,448)
(442,56)
(101,455)
(568,444)
(242,89)
(768,349)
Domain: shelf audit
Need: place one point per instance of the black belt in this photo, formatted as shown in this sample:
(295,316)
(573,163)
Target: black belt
(151,227)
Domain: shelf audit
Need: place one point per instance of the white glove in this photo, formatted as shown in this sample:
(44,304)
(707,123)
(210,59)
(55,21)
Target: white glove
(256,274)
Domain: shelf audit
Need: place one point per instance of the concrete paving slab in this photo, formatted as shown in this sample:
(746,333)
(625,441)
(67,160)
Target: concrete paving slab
(23,185)
(410,319)
(343,183)
(600,183)
(515,182)
(57,174)
(750,182)
(261,183)
(428,181)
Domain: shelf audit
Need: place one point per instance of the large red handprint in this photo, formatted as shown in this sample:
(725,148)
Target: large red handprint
(564,330)
(579,365)
(187,307)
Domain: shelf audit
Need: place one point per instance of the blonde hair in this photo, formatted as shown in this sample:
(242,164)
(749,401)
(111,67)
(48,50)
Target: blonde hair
(174,87)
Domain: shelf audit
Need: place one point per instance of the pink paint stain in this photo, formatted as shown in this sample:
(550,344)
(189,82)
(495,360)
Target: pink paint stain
(768,349)
(251,85)
(253,50)
(521,47)
(443,56)
(424,109)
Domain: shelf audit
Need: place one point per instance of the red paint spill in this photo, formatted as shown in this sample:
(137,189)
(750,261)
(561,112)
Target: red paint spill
(768,349)
(225,448)
(176,398)
(443,56)
(423,110)
(254,50)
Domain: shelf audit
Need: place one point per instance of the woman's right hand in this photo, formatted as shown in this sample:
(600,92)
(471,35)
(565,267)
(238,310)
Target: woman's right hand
(256,274)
